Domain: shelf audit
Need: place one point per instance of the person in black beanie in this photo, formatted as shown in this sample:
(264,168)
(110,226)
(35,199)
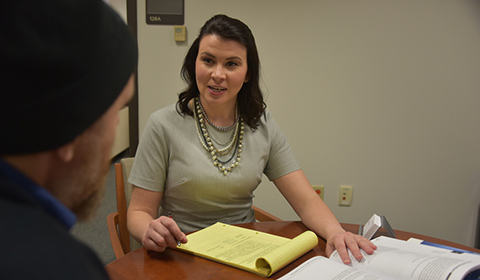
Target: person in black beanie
(66,69)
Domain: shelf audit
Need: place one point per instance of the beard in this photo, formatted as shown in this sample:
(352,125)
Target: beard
(89,184)
(86,208)
(81,186)
(78,180)
(80,183)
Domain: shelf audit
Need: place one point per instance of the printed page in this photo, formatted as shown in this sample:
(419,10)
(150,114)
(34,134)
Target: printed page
(240,247)
(322,268)
(397,259)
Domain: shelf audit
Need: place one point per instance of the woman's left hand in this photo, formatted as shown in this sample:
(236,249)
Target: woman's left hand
(346,240)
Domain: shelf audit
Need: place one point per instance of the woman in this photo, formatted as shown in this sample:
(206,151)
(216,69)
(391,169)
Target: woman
(202,158)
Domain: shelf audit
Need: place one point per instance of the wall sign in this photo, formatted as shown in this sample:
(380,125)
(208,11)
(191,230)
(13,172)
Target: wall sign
(165,12)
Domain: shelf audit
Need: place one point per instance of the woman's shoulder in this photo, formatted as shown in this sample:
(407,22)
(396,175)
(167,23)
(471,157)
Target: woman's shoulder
(165,111)
(166,118)
(266,124)
(266,118)
(168,112)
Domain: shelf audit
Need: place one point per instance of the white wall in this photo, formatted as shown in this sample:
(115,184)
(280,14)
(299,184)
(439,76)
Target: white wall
(380,95)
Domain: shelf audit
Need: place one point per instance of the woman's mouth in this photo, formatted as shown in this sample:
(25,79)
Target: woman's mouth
(217,89)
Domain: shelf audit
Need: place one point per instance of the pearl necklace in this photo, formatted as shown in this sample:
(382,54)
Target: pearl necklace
(222,129)
(204,137)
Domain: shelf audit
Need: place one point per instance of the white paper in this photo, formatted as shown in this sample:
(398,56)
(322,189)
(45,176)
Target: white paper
(394,259)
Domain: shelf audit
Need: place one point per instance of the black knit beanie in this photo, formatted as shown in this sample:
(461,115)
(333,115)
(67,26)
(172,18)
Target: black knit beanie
(62,65)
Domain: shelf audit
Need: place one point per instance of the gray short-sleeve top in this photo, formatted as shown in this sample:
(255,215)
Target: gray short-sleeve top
(171,159)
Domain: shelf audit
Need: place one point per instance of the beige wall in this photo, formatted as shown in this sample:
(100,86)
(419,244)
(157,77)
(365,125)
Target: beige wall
(120,6)
(380,95)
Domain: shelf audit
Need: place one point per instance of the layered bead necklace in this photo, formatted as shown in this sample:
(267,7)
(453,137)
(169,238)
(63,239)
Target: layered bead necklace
(235,143)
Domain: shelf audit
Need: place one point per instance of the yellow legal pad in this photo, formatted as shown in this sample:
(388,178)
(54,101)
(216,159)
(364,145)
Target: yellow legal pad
(247,249)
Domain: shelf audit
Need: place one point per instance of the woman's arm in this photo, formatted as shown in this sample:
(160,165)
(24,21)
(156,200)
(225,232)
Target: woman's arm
(153,233)
(316,215)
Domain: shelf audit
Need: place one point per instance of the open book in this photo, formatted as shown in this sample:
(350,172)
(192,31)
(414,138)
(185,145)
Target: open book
(247,249)
(393,259)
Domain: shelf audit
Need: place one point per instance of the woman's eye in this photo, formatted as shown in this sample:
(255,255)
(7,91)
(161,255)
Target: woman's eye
(232,64)
(207,60)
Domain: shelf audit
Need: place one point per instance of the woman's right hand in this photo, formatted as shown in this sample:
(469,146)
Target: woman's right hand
(161,233)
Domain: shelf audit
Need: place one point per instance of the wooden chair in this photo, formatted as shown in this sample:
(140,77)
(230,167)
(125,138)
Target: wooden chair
(122,242)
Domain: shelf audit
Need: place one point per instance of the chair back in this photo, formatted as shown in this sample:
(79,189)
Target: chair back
(124,194)
(126,167)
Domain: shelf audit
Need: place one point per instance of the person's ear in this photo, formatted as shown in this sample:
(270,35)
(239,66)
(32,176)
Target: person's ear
(67,151)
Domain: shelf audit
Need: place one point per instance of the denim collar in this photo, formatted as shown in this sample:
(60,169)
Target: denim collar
(51,205)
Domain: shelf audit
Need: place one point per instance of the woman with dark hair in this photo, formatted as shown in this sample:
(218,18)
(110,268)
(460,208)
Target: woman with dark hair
(250,98)
(202,158)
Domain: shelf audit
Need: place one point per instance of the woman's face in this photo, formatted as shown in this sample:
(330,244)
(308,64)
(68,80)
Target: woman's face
(220,69)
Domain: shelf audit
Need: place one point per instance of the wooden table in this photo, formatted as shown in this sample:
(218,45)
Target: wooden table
(173,264)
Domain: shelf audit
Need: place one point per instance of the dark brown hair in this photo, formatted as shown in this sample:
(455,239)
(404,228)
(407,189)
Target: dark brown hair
(250,99)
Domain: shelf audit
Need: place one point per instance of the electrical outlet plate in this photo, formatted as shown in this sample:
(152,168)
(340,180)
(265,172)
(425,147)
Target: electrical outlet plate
(320,190)
(345,196)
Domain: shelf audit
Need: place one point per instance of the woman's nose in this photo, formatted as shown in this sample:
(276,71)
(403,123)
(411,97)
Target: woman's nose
(218,73)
